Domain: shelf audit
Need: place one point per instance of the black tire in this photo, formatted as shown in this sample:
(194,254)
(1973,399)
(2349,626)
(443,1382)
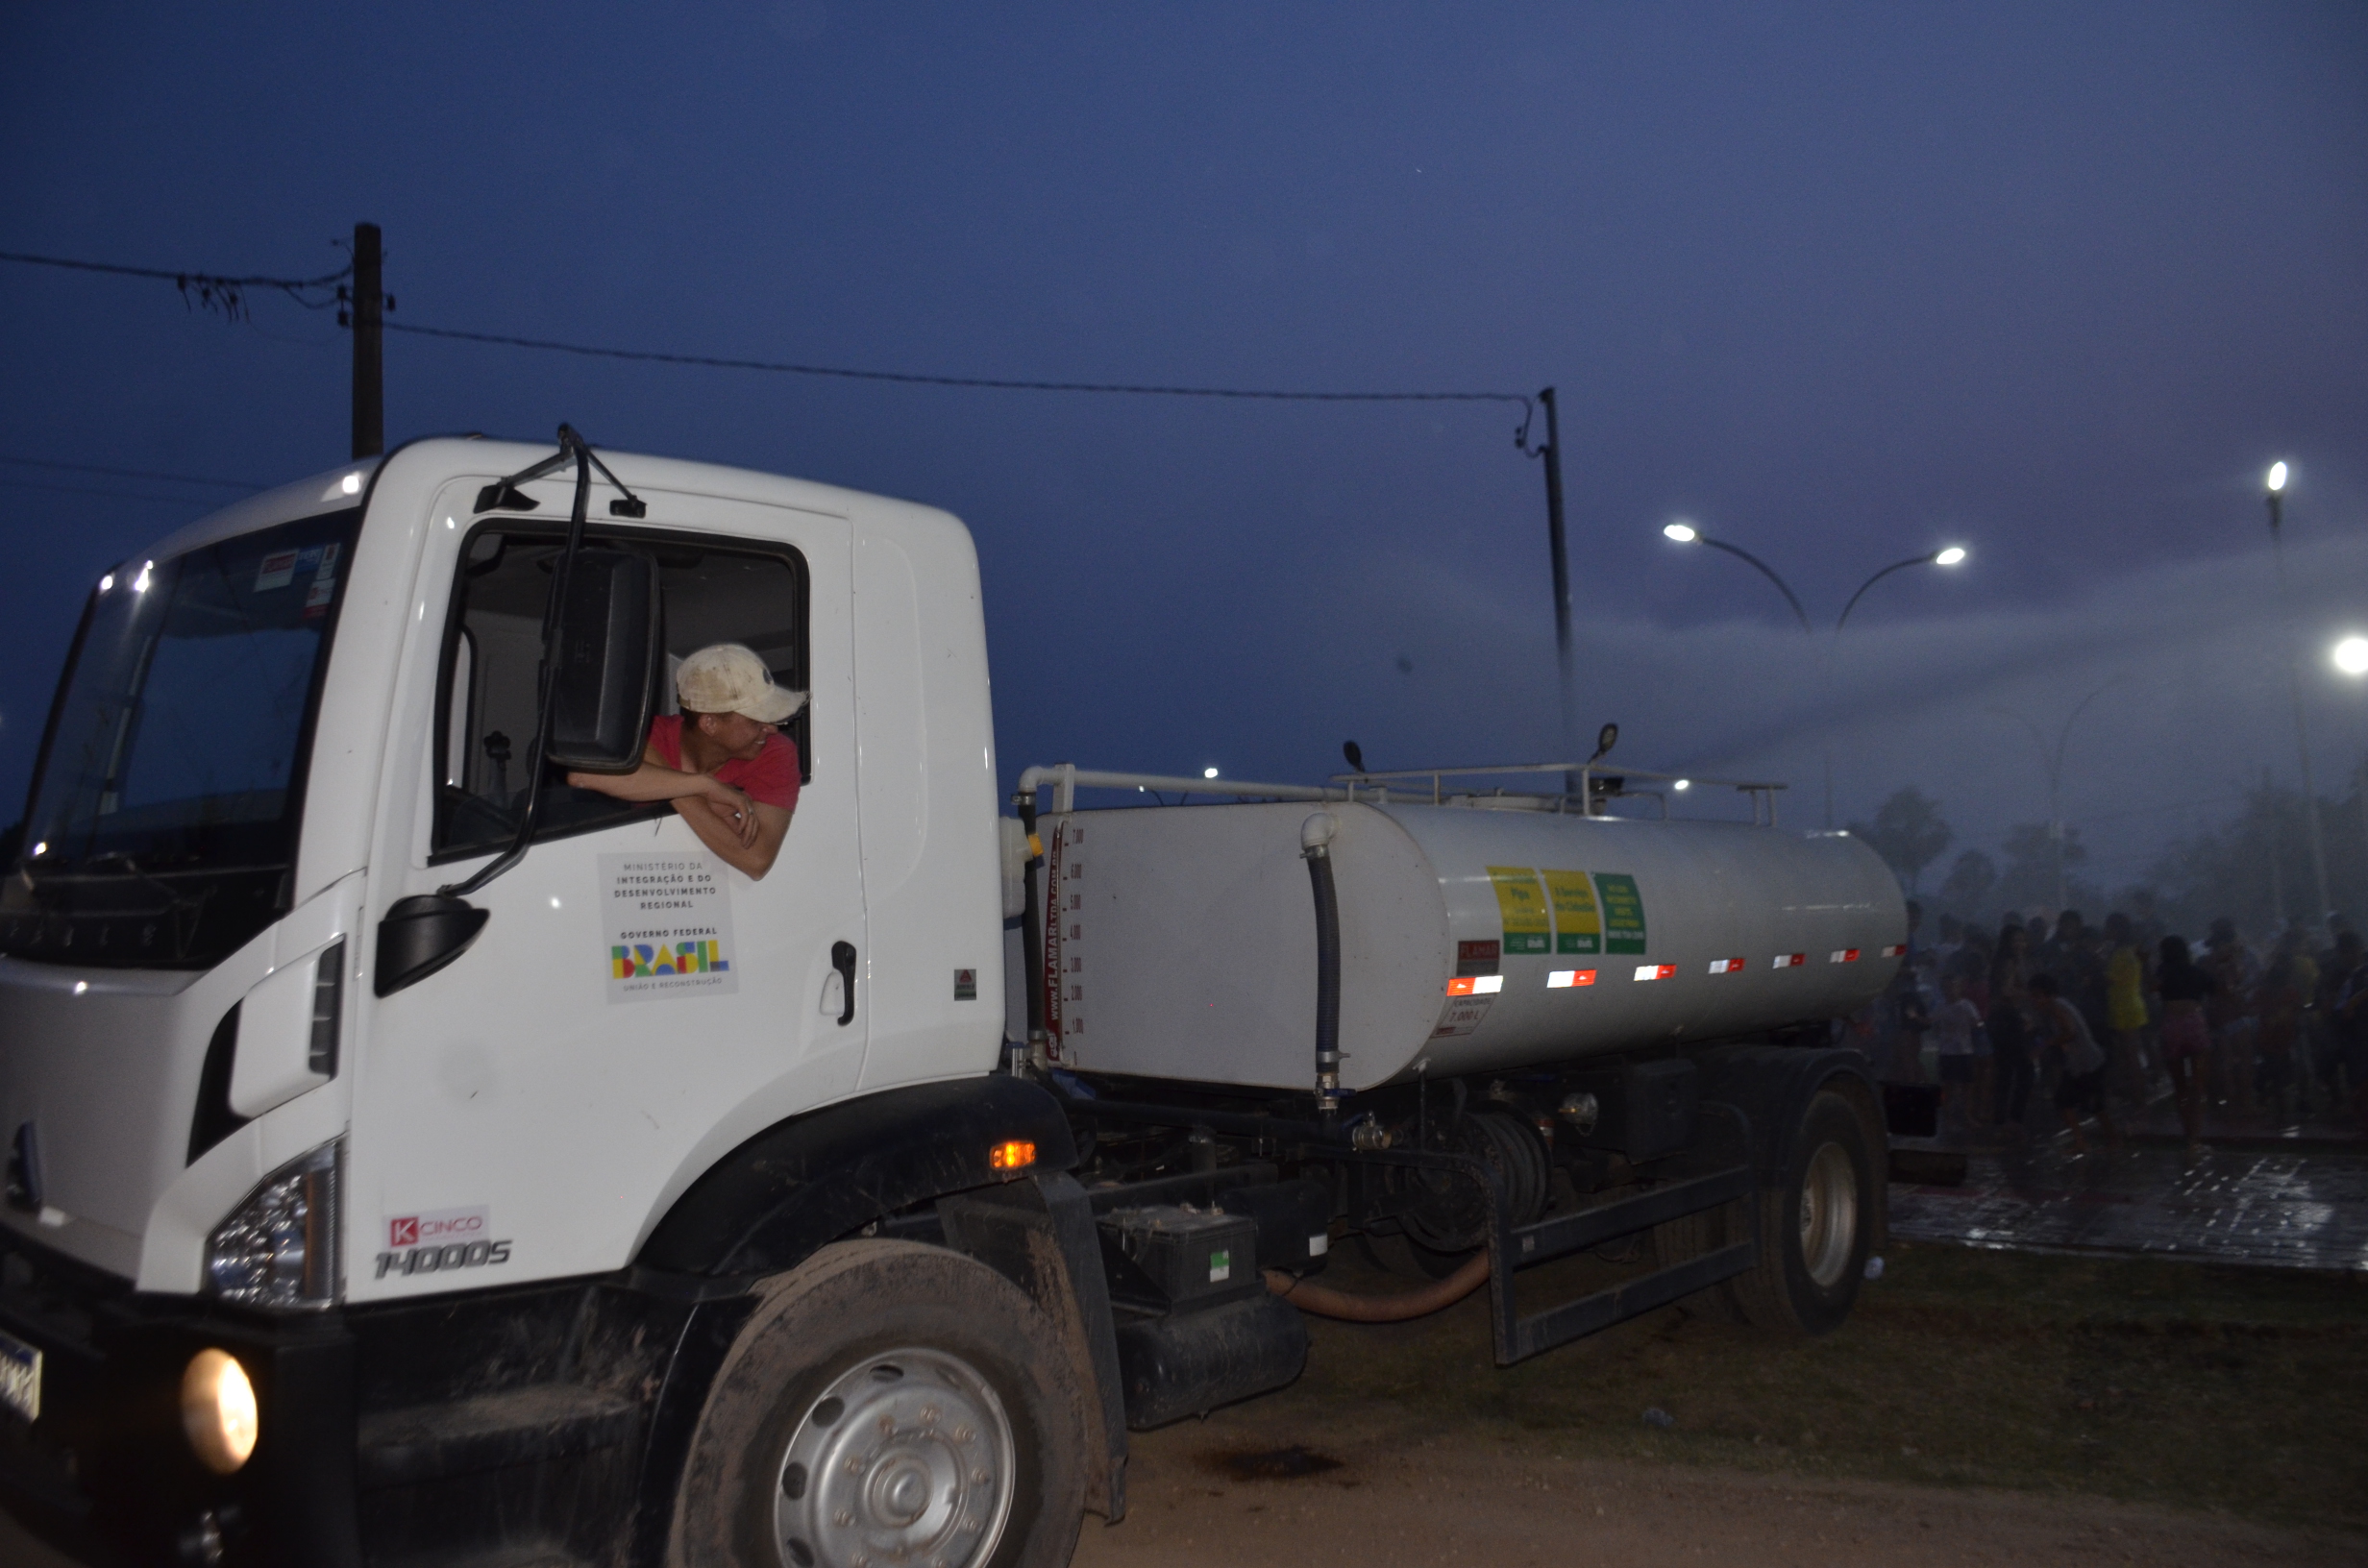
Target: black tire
(1815,1227)
(892,1338)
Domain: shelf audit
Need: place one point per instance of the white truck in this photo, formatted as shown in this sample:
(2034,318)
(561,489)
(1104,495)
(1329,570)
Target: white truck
(412,1159)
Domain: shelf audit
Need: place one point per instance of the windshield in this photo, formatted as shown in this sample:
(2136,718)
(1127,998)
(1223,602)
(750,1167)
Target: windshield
(163,821)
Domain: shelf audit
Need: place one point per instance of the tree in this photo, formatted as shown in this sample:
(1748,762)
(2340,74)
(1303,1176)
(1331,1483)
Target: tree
(1965,891)
(1908,833)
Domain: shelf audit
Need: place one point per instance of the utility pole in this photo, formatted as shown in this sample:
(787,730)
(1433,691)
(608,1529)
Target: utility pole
(369,363)
(1561,549)
(2294,680)
(2277,851)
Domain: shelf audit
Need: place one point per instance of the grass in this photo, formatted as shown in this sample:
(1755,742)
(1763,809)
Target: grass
(2168,1383)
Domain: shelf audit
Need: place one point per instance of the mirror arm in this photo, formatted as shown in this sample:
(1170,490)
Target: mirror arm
(631,505)
(554,615)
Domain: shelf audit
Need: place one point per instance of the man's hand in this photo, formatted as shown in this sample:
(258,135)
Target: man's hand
(733,807)
(748,844)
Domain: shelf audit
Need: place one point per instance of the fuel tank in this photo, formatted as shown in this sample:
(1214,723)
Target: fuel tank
(1476,936)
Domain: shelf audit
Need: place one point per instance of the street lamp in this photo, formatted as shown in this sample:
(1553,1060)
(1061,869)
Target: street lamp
(1685,533)
(2052,757)
(1949,555)
(2274,484)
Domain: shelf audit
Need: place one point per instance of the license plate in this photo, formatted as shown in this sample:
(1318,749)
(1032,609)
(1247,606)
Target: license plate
(20,1377)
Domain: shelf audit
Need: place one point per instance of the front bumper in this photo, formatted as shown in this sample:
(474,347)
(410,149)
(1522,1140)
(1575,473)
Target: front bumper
(106,1470)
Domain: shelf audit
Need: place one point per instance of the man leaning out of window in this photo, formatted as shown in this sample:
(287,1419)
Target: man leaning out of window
(731,775)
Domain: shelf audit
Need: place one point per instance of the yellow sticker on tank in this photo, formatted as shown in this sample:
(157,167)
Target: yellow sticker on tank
(1577,927)
(1522,904)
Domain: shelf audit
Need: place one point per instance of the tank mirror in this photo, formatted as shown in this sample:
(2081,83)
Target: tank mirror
(1354,753)
(1606,738)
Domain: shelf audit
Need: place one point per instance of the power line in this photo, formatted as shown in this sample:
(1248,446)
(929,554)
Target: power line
(132,473)
(213,291)
(217,290)
(988,382)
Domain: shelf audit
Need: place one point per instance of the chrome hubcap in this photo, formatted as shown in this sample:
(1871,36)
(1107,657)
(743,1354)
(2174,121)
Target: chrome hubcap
(906,1459)
(1829,1215)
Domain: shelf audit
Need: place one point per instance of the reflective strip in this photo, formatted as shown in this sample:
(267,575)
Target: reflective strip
(1844,955)
(1562,978)
(1788,961)
(1898,949)
(1476,985)
(1726,965)
(1655,971)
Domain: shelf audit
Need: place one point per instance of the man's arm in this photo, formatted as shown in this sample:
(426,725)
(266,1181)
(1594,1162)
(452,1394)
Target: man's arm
(653,780)
(748,841)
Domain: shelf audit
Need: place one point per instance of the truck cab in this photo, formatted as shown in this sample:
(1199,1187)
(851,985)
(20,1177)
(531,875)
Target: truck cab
(283,721)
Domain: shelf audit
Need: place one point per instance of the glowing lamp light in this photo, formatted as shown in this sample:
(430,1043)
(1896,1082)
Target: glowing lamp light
(107,583)
(1683,533)
(1683,784)
(2277,477)
(1208,772)
(351,484)
(139,585)
(1950,556)
(219,1411)
(41,849)
(2351,656)
(1013,1154)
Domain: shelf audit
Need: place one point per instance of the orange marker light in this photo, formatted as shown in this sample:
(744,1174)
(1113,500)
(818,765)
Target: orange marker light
(1017,1154)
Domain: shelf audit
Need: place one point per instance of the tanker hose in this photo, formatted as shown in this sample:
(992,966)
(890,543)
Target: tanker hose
(1352,1308)
(1315,845)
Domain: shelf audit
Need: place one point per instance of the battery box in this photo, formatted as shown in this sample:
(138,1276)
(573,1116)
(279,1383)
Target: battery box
(1294,1221)
(1194,1257)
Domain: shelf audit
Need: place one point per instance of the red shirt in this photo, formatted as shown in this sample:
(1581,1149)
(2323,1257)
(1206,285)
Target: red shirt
(769,777)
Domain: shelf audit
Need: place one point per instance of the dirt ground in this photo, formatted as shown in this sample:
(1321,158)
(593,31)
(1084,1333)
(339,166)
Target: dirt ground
(1244,1487)
(1979,1407)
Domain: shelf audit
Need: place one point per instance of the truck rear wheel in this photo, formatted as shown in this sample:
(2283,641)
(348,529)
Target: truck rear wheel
(889,1403)
(1815,1225)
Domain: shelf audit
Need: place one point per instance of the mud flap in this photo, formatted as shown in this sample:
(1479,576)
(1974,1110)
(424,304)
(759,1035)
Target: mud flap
(1040,1236)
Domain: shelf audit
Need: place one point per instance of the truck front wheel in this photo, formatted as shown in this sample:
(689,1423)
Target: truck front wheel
(1815,1225)
(888,1404)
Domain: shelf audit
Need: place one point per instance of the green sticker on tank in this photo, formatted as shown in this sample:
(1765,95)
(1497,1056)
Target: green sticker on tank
(1521,903)
(1576,927)
(1623,913)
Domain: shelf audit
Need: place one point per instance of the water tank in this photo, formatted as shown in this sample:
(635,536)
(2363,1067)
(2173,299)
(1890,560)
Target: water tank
(1476,936)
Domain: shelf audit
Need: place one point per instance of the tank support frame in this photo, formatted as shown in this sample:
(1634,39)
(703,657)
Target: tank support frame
(1715,1173)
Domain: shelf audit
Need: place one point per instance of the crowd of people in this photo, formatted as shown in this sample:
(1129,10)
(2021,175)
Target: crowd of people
(2100,1022)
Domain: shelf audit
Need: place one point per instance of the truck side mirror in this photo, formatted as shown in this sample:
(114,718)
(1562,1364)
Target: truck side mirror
(609,657)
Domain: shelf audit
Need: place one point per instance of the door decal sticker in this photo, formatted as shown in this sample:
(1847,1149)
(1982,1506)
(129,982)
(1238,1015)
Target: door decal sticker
(667,923)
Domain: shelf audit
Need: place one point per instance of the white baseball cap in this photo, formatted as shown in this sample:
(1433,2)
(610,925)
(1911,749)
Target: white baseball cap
(729,679)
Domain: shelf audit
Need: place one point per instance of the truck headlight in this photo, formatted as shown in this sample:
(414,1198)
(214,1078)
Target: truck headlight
(217,1410)
(279,1247)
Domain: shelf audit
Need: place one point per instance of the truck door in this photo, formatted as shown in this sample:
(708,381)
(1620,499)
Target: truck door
(633,1006)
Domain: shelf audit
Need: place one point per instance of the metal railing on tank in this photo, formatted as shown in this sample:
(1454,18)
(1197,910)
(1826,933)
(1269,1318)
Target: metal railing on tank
(1591,783)
(1588,787)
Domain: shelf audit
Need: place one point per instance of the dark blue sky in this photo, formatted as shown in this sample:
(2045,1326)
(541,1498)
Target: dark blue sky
(1837,282)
